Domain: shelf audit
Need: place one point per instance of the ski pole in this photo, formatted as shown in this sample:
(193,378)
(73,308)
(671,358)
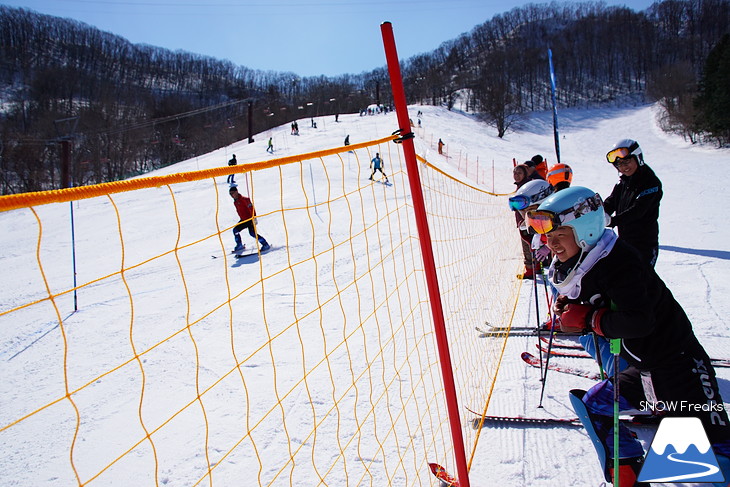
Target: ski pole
(548,300)
(537,301)
(547,359)
(599,357)
(615,350)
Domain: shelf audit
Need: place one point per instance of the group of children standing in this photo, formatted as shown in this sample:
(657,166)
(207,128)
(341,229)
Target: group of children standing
(605,288)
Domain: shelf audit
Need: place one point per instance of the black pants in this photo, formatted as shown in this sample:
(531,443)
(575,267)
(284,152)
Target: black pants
(684,387)
(248,224)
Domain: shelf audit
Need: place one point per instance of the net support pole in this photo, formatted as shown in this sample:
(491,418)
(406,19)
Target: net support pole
(414,179)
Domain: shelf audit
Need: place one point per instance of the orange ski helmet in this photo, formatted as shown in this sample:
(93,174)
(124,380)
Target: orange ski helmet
(559,173)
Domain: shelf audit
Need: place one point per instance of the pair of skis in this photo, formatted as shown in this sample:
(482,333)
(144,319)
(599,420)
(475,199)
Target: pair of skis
(481,421)
(571,351)
(515,331)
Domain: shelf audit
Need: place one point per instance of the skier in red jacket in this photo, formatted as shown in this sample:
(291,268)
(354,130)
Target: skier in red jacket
(246,213)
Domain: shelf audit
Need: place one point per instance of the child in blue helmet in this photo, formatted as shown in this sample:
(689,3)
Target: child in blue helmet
(606,288)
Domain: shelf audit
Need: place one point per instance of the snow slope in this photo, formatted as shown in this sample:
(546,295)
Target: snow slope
(694,260)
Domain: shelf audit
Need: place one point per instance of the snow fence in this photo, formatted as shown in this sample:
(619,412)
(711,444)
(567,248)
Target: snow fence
(137,350)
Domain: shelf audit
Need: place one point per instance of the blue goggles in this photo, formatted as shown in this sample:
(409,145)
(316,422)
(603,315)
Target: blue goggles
(519,202)
(522,201)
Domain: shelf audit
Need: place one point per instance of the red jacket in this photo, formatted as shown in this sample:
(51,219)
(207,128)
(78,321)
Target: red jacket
(244,207)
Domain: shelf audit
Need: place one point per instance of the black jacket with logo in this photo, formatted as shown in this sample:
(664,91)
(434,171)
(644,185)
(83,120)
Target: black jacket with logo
(635,202)
(642,310)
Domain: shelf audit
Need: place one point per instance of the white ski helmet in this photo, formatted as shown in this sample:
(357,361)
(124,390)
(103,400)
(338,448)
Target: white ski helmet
(530,193)
(576,207)
(625,148)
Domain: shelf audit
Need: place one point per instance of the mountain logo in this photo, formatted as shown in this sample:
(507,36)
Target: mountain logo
(680,452)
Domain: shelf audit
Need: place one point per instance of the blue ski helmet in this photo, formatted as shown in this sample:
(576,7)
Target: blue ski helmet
(580,208)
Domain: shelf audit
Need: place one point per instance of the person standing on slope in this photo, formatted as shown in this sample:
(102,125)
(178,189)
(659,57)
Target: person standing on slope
(560,176)
(534,250)
(606,288)
(246,212)
(231,177)
(634,202)
(541,166)
(377,165)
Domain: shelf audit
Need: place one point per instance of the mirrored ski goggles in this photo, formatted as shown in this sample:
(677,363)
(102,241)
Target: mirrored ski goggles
(545,221)
(618,153)
(519,202)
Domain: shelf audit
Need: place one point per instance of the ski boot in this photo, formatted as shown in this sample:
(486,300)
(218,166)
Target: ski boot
(628,472)
(529,272)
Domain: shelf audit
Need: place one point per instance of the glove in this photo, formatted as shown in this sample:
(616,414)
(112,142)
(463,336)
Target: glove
(580,318)
(543,253)
(559,305)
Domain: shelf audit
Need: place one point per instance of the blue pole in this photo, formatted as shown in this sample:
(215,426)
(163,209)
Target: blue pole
(73,255)
(555,108)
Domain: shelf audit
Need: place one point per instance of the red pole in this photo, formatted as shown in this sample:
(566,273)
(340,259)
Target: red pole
(414,179)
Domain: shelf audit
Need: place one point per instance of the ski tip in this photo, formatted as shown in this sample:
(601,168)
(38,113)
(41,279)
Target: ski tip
(444,476)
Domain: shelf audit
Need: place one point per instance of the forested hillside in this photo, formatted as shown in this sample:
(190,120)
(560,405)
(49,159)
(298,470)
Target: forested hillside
(119,109)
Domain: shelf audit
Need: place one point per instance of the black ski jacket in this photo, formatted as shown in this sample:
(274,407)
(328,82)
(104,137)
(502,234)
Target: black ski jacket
(642,310)
(635,202)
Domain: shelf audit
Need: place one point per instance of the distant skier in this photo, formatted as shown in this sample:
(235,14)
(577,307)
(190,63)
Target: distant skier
(606,288)
(634,202)
(232,162)
(246,212)
(347,139)
(270,148)
(377,165)
(441,146)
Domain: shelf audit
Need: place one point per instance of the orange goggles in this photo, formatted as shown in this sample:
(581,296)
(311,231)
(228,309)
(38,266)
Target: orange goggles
(545,221)
(618,153)
(542,221)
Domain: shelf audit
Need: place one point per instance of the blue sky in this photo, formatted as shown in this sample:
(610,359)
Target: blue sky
(306,37)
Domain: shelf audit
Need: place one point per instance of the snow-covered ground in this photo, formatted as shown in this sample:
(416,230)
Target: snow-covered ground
(694,260)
